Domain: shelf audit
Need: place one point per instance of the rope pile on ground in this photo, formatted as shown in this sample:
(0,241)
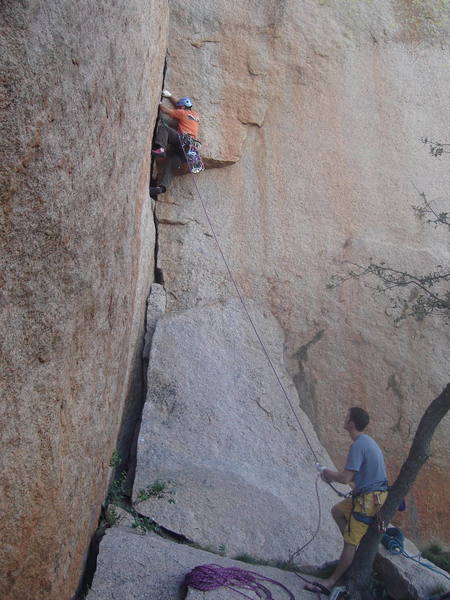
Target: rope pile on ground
(211,577)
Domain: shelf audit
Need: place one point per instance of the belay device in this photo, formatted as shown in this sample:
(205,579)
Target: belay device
(191,149)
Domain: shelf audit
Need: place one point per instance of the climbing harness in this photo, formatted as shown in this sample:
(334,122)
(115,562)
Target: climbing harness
(211,577)
(191,149)
(362,517)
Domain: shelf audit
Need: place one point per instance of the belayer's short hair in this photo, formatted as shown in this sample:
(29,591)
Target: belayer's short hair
(359,417)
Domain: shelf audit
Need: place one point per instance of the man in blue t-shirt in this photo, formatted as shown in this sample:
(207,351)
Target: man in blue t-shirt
(366,472)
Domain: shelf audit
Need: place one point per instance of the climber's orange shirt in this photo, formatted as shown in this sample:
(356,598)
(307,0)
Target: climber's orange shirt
(188,120)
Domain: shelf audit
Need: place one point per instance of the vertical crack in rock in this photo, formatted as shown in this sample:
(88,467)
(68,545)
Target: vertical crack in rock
(91,559)
(402,426)
(131,423)
(158,275)
(304,385)
(156,306)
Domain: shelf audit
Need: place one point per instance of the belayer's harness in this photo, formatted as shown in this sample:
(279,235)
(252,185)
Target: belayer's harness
(362,517)
(376,518)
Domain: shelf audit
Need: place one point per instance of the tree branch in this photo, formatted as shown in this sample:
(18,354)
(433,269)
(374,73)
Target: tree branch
(426,209)
(437,148)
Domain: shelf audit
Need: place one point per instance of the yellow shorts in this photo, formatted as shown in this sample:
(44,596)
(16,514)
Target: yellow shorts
(367,504)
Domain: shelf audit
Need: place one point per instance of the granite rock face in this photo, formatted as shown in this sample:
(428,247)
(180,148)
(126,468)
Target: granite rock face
(319,107)
(216,424)
(82,83)
(316,108)
(148,567)
(407,579)
(151,568)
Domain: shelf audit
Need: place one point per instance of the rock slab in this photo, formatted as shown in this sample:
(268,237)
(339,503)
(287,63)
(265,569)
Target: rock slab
(136,567)
(216,423)
(406,579)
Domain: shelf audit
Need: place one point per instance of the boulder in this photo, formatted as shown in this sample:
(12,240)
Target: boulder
(406,579)
(216,423)
(148,567)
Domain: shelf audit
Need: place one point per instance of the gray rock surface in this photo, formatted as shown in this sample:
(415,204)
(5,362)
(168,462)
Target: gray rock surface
(408,580)
(148,567)
(136,567)
(81,89)
(156,307)
(216,423)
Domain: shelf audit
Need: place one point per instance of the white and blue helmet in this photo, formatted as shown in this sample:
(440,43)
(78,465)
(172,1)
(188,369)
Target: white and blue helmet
(185,101)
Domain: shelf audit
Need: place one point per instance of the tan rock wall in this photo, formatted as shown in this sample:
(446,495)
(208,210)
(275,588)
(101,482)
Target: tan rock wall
(321,106)
(82,82)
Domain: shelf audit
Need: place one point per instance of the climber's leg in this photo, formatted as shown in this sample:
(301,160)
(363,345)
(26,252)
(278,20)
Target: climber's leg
(164,136)
(174,160)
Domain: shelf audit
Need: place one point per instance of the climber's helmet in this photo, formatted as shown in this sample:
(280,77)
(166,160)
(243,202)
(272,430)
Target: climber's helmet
(184,102)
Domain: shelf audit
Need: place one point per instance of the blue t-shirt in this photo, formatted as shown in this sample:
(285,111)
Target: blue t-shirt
(365,457)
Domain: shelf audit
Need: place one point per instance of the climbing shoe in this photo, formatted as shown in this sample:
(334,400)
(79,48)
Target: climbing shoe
(159,189)
(158,151)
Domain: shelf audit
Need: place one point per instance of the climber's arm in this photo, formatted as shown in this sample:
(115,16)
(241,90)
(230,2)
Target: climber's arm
(168,95)
(165,110)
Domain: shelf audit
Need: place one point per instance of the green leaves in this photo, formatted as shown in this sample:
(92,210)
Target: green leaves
(158,489)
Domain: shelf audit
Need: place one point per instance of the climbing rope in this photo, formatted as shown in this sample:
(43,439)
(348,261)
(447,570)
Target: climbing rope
(393,540)
(417,559)
(230,274)
(211,577)
(236,287)
(319,520)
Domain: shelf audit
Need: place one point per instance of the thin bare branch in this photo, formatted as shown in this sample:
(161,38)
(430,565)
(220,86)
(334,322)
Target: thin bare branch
(436,148)
(425,209)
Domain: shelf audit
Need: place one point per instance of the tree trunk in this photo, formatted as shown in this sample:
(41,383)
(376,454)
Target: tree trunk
(359,573)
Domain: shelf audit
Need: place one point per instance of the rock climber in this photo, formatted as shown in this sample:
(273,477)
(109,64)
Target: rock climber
(167,141)
(366,472)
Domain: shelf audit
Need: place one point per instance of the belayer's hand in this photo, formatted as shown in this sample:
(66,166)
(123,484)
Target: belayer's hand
(166,94)
(323,475)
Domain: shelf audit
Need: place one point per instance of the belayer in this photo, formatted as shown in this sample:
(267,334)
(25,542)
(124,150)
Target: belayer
(169,142)
(366,471)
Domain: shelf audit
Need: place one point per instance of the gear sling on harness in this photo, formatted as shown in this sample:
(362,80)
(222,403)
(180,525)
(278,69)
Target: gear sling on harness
(366,519)
(191,149)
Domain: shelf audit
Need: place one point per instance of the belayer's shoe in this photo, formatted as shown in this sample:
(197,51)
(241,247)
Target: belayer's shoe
(158,151)
(159,189)
(317,588)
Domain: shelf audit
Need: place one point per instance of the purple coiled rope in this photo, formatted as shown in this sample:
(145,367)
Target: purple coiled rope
(211,577)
